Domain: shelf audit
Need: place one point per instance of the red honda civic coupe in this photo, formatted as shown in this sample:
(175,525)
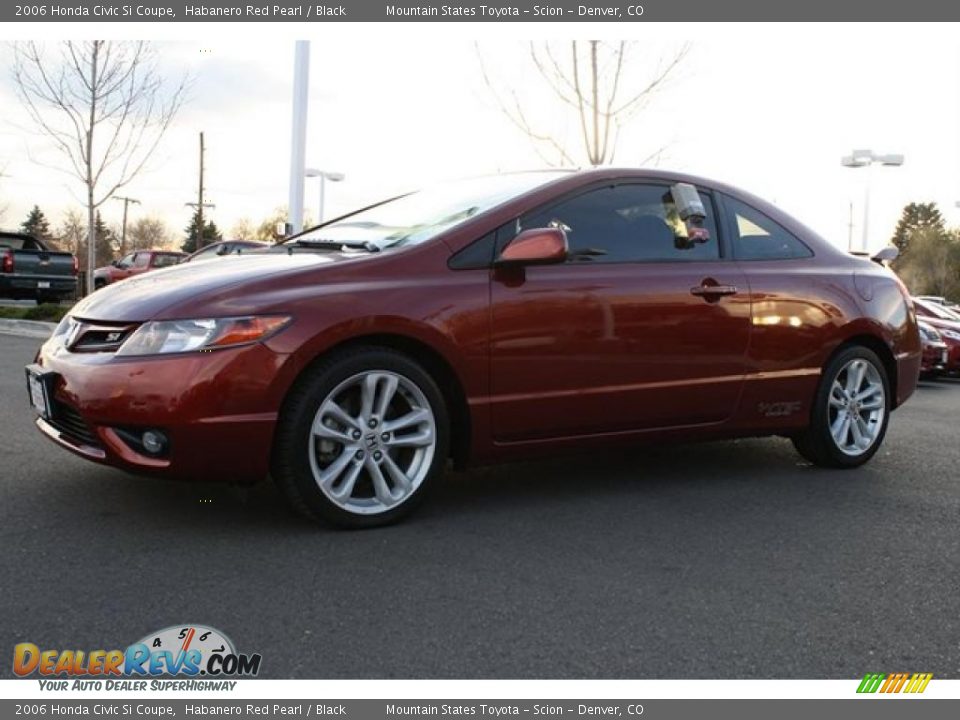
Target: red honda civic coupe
(481,321)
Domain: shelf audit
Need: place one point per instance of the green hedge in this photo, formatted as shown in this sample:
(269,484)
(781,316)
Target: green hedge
(47,312)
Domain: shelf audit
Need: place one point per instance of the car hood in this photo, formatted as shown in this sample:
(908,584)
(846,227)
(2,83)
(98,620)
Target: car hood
(941,324)
(143,296)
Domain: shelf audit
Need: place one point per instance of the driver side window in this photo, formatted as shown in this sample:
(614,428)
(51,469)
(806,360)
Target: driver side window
(628,223)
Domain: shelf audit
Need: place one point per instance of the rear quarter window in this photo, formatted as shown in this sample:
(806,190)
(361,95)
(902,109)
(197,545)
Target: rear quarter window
(758,237)
(165,260)
(19,243)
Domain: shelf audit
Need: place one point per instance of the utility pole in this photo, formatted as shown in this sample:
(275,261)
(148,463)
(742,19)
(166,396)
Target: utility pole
(200,204)
(123,230)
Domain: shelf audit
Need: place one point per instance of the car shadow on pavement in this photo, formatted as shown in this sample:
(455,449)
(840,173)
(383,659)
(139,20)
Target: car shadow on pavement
(560,484)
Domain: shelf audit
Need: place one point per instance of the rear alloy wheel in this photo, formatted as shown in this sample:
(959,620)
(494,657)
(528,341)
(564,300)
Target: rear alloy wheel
(851,411)
(361,439)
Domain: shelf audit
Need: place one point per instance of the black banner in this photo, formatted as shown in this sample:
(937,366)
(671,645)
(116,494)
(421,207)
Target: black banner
(492,11)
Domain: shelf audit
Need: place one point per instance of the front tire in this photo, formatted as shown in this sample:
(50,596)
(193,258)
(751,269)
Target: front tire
(361,438)
(850,412)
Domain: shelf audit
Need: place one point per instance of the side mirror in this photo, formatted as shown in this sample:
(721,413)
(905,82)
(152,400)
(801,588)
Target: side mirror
(115,263)
(888,254)
(538,246)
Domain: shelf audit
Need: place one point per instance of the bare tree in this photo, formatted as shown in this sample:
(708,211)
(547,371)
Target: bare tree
(73,234)
(148,233)
(243,229)
(103,105)
(3,206)
(592,80)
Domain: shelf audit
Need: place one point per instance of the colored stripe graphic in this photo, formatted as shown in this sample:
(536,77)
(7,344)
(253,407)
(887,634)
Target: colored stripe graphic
(894,683)
(870,682)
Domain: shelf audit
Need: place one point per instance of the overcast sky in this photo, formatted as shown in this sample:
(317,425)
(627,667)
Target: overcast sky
(768,108)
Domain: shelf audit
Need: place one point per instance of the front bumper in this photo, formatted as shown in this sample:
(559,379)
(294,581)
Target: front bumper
(936,358)
(953,356)
(217,409)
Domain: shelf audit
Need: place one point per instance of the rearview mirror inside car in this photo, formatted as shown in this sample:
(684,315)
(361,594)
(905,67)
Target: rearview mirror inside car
(537,246)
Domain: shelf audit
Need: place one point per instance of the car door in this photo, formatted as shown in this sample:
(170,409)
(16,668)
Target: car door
(643,327)
(123,267)
(141,263)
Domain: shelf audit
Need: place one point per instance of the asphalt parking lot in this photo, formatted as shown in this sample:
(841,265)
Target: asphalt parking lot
(729,560)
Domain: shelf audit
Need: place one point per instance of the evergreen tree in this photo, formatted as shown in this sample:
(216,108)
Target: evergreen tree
(36,225)
(211,234)
(106,242)
(916,217)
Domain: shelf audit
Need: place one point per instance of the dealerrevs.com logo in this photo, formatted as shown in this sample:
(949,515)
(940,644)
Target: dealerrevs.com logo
(188,651)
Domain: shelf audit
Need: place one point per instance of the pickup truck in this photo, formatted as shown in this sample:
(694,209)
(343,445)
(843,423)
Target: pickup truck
(28,269)
(135,263)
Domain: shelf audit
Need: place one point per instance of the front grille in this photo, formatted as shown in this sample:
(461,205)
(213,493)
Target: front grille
(68,421)
(89,337)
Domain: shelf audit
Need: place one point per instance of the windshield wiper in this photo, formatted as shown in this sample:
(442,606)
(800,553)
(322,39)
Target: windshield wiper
(335,244)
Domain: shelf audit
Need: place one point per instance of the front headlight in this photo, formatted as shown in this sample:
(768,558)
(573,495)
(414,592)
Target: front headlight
(64,326)
(161,337)
(952,334)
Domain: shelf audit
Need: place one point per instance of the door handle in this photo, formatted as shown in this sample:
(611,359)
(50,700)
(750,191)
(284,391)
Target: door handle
(713,291)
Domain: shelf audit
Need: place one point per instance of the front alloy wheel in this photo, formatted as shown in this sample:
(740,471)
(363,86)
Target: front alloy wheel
(850,412)
(360,437)
(374,439)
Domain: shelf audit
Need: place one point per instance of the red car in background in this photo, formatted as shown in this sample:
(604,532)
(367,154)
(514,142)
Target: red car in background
(135,263)
(947,324)
(936,353)
(481,321)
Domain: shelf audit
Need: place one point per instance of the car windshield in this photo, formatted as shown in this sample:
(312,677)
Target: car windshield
(422,215)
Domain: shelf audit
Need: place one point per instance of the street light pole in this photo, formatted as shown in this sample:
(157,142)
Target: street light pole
(323,175)
(298,139)
(865,235)
(866,159)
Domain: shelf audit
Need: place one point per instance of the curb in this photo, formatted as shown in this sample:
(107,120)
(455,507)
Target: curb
(27,328)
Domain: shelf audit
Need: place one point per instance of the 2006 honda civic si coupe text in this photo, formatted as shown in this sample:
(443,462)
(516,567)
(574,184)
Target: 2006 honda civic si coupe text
(478,321)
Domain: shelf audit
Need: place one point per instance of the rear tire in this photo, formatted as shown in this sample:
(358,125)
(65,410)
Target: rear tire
(361,439)
(850,412)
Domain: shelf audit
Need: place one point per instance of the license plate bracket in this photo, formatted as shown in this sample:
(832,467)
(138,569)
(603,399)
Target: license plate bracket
(40,390)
